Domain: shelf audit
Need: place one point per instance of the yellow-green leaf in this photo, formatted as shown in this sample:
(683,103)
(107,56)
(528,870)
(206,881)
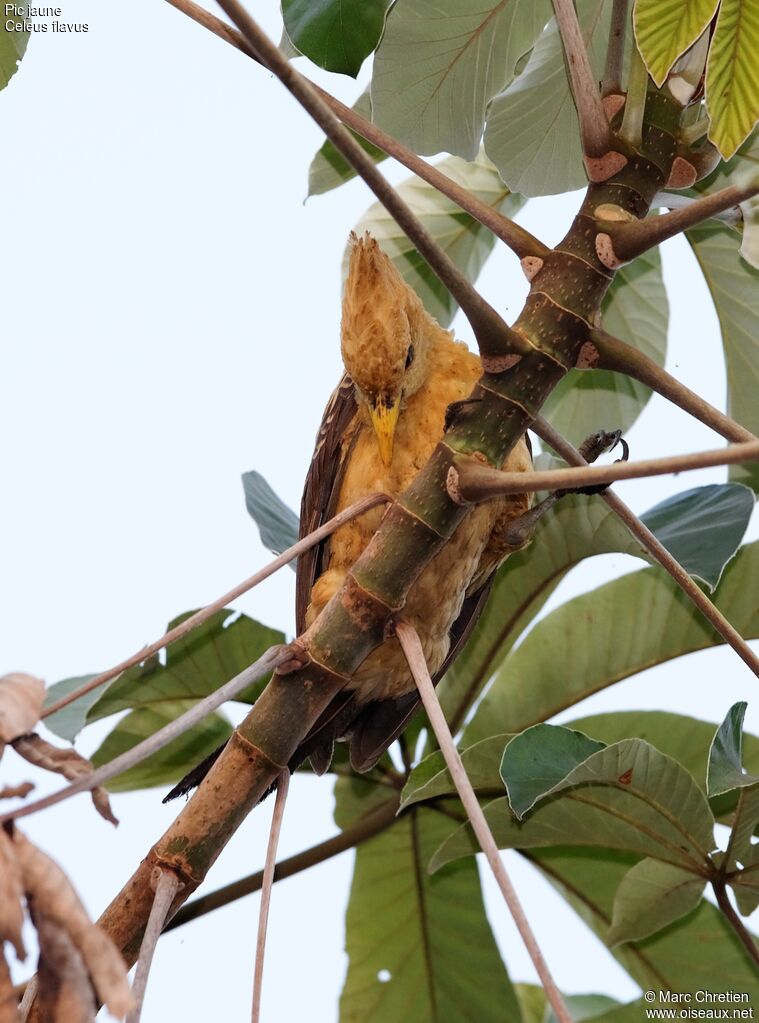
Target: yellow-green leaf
(664,29)
(732,84)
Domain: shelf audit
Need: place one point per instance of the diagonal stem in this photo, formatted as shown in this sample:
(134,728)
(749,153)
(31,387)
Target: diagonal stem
(166,887)
(657,550)
(744,936)
(633,239)
(495,338)
(267,663)
(304,544)
(595,133)
(412,648)
(283,785)
(612,79)
(519,240)
(613,354)
(475,482)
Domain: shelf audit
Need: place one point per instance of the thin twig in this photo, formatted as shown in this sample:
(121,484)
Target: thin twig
(494,337)
(634,238)
(733,217)
(619,357)
(517,238)
(476,482)
(369,826)
(726,906)
(612,79)
(283,785)
(635,104)
(657,550)
(412,648)
(359,508)
(265,664)
(166,887)
(595,132)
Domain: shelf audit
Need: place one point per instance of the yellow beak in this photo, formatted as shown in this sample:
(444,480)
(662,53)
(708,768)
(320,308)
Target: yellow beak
(384,417)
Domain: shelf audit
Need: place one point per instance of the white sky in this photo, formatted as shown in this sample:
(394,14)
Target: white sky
(170,320)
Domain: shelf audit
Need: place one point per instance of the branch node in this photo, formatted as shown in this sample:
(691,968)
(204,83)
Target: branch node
(682,174)
(499,363)
(601,168)
(612,104)
(605,252)
(531,265)
(588,356)
(453,488)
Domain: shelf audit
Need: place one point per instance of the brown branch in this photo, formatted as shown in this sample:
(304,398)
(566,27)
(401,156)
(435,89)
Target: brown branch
(519,240)
(166,887)
(726,906)
(633,239)
(283,785)
(613,354)
(359,508)
(369,826)
(475,482)
(267,663)
(657,550)
(612,78)
(598,143)
(412,648)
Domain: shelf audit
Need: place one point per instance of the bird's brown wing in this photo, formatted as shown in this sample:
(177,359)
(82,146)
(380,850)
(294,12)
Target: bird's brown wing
(334,443)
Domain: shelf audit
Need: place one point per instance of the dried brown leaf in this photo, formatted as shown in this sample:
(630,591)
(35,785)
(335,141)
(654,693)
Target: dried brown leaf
(68,762)
(11,897)
(21,699)
(16,791)
(8,999)
(65,992)
(47,885)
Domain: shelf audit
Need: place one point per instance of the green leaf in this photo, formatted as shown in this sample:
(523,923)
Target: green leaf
(431,779)
(337,35)
(745,884)
(277,524)
(698,952)
(329,169)
(651,896)
(170,763)
(613,632)
(533,135)
(535,1008)
(665,29)
(631,765)
(703,528)
(573,529)
(538,760)
(733,285)
(725,771)
(465,241)
(732,85)
(69,721)
(414,963)
(635,309)
(440,63)
(12,49)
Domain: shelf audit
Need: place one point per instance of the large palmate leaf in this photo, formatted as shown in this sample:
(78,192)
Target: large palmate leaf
(12,49)
(703,528)
(732,85)
(664,29)
(532,134)
(429,955)
(439,64)
(635,309)
(698,952)
(329,169)
(169,764)
(465,241)
(335,34)
(615,631)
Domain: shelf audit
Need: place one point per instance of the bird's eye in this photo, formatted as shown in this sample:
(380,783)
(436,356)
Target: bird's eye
(409,356)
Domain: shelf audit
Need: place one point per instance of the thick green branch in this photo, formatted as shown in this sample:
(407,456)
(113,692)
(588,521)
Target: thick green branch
(607,352)
(519,240)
